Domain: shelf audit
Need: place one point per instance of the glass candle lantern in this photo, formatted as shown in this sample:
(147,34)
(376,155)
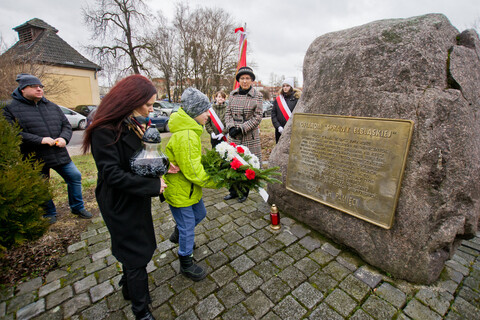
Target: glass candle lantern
(150,161)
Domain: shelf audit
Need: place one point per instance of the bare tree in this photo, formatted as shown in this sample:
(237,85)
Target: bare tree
(118,25)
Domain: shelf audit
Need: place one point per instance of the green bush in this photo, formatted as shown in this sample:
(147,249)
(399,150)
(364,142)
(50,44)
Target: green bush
(23,191)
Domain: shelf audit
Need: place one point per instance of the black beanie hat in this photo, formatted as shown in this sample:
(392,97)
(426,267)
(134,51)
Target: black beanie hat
(245,70)
(25,79)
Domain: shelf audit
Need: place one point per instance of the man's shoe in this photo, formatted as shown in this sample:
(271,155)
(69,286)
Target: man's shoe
(145,315)
(229,196)
(242,199)
(84,214)
(51,219)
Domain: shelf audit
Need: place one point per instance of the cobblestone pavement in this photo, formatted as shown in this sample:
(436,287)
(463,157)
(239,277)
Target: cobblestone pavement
(254,273)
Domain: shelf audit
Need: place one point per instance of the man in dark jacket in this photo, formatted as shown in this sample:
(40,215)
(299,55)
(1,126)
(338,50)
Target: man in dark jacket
(45,134)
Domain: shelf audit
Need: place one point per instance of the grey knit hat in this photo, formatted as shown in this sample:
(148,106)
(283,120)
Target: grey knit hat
(194,102)
(25,79)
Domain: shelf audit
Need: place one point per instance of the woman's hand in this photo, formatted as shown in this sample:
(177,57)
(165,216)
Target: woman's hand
(173,168)
(163,185)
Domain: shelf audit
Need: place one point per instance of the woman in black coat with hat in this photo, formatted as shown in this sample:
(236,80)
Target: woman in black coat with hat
(123,197)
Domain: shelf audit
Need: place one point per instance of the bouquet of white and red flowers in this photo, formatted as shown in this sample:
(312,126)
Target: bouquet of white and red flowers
(234,166)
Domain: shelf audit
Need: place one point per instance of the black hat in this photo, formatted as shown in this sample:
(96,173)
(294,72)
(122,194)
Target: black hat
(245,70)
(25,79)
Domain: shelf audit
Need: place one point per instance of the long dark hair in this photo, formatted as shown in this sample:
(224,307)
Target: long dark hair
(127,95)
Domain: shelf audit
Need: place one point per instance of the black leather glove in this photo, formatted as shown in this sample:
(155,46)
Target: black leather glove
(235,132)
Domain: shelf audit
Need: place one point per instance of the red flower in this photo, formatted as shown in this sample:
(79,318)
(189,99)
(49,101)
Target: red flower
(250,174)
(240,149)
(233,144)
(235,164)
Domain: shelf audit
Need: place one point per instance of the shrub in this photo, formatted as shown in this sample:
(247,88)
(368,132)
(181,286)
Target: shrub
(23,191)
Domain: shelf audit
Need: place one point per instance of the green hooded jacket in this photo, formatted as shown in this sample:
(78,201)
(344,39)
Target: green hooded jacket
(184,149)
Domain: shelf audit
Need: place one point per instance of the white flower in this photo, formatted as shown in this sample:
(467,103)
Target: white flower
(254,161)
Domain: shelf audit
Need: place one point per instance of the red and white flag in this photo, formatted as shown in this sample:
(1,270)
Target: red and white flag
(216,121)
(242,51)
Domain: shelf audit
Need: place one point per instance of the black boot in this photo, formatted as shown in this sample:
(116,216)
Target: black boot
(174,235)
(190,269)
(145,315)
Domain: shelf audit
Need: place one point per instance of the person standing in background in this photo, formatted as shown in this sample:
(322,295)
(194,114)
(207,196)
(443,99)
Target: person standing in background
(45,135)
(283,106)
(216,126)
(243,117)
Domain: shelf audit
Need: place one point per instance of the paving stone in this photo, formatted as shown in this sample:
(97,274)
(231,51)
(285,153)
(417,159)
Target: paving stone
(307,295)
(183,301)
(391,294)
(249,281)
(223,275)
(310,243)
(355,287)
(98,247)
(80,264)
(107,273)
(28,286)
(31,310)
(204,288)
(266,270)
(361,315)
(458,267)
(72,277)
(473,297)
(259,223)
(246,230)
(321,257)
(465,309)
(116,302)
(165,245)
(296,251)
(95,266)
(78,302)
(473,281)
(188,315)
(230,295)
(211,224)
(55,275)
(329,248)
(52,314)
(449,286)
(230,227)
(262,235)
(378,308)
(289,308)
(217,244)
(370,278)
(248,242)
(341,302)
(275,289)
(292,276)
(438,301)
(299,231)
(85,284)
(258,254)
(179,283)
(336,270)
(209,308)
(323,282)
(346,264)
(242,264)
(163,274)
(59,296)
(48,288)
(281,260)
(98,238)
(76,246)
(214,234)
(323,312)
(272,246)
(101,254)
(238,312)
(258,304)
(160,295)
(416,310)
(88,234)
(287,238)
(449,273)
(202,252)
(100,291)
(96,311)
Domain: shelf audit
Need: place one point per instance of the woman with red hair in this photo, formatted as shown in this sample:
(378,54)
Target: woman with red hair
(123,197)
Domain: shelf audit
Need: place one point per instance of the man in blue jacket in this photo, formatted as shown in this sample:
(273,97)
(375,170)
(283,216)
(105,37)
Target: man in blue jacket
(45,134)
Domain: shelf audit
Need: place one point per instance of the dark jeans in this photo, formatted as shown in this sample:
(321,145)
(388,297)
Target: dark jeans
(73,178)
(136,280)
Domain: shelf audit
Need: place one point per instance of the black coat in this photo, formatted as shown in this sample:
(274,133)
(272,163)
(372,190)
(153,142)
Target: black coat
(124,198)
(39,120)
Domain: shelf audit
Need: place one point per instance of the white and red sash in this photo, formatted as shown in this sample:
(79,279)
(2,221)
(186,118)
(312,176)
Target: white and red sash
(282,104)
(216,121)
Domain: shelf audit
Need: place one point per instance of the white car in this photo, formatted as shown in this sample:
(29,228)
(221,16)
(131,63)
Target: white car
(77,121)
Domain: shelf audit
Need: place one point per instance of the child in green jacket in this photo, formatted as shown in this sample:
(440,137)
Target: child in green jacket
(184,192)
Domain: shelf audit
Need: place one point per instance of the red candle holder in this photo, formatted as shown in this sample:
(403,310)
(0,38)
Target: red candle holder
(274,218)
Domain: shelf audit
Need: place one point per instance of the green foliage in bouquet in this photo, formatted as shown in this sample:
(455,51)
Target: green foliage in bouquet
(233,174)
(23,192)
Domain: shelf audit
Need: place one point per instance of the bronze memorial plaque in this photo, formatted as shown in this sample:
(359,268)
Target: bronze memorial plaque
(352,164)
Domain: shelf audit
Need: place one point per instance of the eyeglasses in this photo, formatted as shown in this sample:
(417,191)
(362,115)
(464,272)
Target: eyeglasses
(35,86)
(245,79)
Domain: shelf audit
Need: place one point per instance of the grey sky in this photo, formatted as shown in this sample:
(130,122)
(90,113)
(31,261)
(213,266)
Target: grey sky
(279,31)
